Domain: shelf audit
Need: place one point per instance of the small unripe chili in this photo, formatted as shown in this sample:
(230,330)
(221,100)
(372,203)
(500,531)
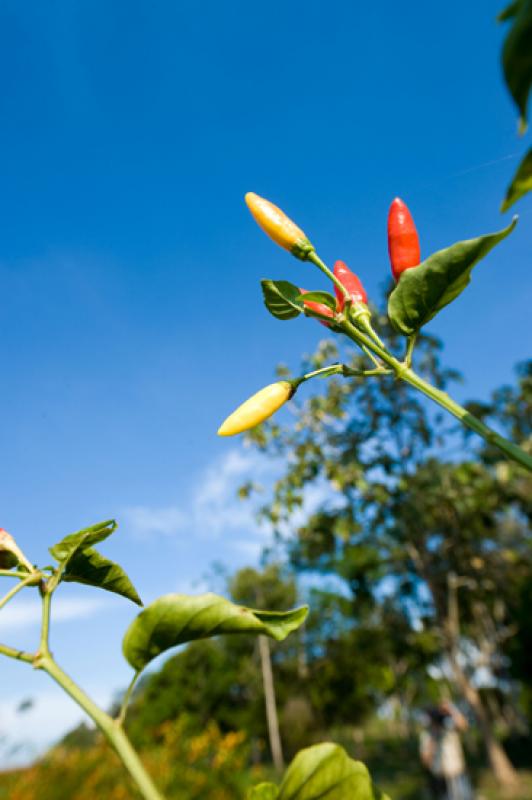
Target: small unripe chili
(403,241)
(257,408)
(319,308)
(278,226)
(351,283)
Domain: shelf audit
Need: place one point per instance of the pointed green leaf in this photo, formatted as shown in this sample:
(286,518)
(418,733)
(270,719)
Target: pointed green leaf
(281,299)
(81,540)
(319,297)
(517,55)
(178,618)
(325,771)
(263,791)
(424,290)
(90,567)
(521,183)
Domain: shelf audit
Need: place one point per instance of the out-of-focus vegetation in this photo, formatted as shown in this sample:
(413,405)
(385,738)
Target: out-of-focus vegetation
(206,765)
(217,767)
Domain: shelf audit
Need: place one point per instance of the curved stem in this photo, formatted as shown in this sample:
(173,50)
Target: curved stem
(127,697)
(315,259)
(410,349)
(323,372)
(16,589)
(337,369)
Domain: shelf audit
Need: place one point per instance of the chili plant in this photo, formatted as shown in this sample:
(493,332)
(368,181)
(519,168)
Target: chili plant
(422,290)
(169,621)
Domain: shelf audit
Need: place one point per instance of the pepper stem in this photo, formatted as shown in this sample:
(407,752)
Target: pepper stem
(403,372)
(314,257)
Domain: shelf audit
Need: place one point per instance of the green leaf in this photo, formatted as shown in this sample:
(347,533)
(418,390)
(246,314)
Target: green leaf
(81,540)
(325,771)
(521,183)
(319,297)
(174,619)
(517,55)
(424,290)
(263,791)
(510,11)
(90,567)
(281,299)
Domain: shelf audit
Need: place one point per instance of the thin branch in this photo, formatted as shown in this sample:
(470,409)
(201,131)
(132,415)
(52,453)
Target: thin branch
(19,655)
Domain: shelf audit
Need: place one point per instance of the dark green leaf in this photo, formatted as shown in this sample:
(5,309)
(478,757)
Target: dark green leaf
(7,559)
(509,12)
(521,183)
(89,567)
(65,549)
(517,55)
(281,299)
(178,618)
(325,771)
(424,290)
(263,791)
(319,297)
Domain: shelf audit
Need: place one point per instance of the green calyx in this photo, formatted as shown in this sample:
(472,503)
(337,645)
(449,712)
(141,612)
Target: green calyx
(302,249)
(359,314)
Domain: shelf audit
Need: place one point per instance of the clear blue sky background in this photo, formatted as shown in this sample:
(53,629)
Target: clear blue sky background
(131,317)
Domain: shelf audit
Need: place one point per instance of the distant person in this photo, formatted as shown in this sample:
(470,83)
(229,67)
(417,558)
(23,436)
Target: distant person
(441,753)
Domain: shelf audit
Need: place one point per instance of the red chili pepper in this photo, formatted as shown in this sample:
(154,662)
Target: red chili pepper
(403,241)
(319,308)
(351,283)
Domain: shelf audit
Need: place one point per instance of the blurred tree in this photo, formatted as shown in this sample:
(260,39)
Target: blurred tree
(408,504)
(205,680)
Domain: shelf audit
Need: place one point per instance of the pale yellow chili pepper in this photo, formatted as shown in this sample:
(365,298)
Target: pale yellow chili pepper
(257,408)
(278,226)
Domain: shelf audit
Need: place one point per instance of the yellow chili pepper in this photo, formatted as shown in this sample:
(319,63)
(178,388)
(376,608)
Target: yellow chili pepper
(278,226)
(257,408)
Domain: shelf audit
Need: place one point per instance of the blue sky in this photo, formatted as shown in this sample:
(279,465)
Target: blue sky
(132,321)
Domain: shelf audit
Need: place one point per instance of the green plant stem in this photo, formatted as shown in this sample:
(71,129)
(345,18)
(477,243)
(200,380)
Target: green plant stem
(12,592)
(340,369)
(323,372)
(113,732)
(410,349)
(315,259)
(406,374)
(44,647)
(108,726)
(9,573)
(18,655)
(371,356)
(511,450)
(127,697)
